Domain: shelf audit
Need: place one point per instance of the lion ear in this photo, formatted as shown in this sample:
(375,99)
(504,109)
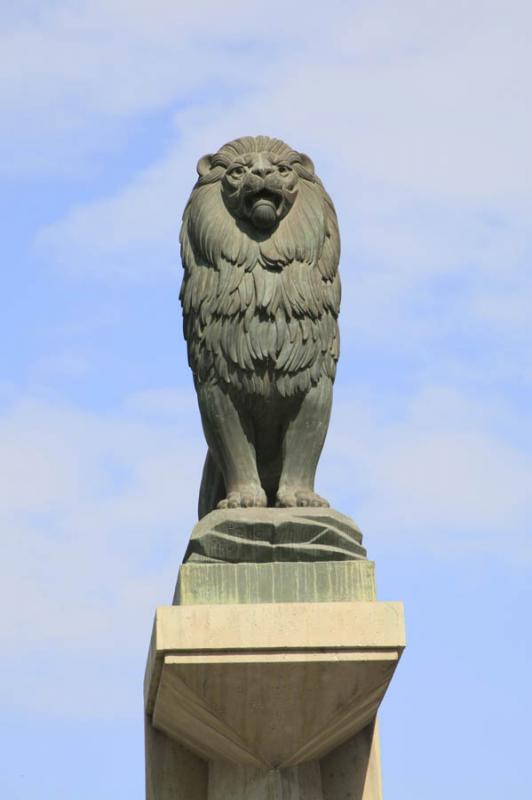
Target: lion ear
(306,163)
(204,165)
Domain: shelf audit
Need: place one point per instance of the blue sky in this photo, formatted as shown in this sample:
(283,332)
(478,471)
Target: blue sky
(419,118)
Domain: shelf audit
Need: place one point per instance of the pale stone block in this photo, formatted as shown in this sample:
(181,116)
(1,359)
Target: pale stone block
(203,695)
(172,771)
(247,783)
(352,771)
(270,685)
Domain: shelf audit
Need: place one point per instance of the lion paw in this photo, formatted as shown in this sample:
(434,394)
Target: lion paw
(304,498)
(252,497)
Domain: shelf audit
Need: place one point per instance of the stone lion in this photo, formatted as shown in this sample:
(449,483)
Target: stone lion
(260,297)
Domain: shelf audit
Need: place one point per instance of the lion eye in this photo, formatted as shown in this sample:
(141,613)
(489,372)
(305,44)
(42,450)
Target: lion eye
(283,169)
(236,172)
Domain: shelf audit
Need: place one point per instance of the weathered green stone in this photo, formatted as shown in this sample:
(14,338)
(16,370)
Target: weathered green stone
(261,535)
(303,582)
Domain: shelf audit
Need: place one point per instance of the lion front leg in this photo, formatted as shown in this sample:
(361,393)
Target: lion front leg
(302,446)
(230,441)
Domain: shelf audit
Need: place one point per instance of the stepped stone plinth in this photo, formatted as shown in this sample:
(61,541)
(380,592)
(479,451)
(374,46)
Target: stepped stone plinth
(264,679)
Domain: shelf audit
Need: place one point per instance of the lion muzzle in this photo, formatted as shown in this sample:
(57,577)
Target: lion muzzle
(263,208)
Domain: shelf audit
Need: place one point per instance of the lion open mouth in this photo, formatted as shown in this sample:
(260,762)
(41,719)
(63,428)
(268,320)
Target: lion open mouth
(262,207)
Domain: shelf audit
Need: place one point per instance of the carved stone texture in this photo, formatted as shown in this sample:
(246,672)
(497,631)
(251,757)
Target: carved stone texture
(261,295)
(272,535)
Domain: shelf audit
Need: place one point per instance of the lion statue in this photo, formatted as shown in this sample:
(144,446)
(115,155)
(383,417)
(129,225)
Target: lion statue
(260,297)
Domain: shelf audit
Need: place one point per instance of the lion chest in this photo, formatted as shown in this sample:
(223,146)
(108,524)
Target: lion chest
(246,326)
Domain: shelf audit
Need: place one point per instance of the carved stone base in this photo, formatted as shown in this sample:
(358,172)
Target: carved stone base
(263,682)
(259,535)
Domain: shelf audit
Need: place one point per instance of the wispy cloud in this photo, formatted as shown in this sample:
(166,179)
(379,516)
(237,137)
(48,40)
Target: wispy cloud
(88,68)
(96,511)
(420,120)
(439,477)
(431,95)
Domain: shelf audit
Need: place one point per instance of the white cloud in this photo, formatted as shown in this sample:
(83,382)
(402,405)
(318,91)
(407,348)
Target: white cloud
(68,364)
(96,510)
(133,237)
(439,477)
(72,74)
(433,96)
(418,118)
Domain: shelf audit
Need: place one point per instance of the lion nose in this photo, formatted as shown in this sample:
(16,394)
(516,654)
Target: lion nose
(262,171)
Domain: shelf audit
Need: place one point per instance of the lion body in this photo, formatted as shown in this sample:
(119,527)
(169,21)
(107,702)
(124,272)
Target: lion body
(260,308)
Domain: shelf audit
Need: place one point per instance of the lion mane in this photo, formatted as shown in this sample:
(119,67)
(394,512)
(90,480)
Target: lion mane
(260,310)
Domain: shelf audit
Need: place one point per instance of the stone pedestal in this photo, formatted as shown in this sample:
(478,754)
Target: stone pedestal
(264,680)
(251,535)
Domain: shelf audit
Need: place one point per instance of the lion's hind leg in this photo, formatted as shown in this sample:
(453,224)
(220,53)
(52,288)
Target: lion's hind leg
(212,489)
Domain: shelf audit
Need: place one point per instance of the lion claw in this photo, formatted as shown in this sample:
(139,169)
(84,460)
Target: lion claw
(246,498)
(302,498)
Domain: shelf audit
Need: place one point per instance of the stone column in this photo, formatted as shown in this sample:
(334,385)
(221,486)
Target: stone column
(264,680)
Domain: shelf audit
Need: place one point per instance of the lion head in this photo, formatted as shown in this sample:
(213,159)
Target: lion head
(260,249)
(259,185)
